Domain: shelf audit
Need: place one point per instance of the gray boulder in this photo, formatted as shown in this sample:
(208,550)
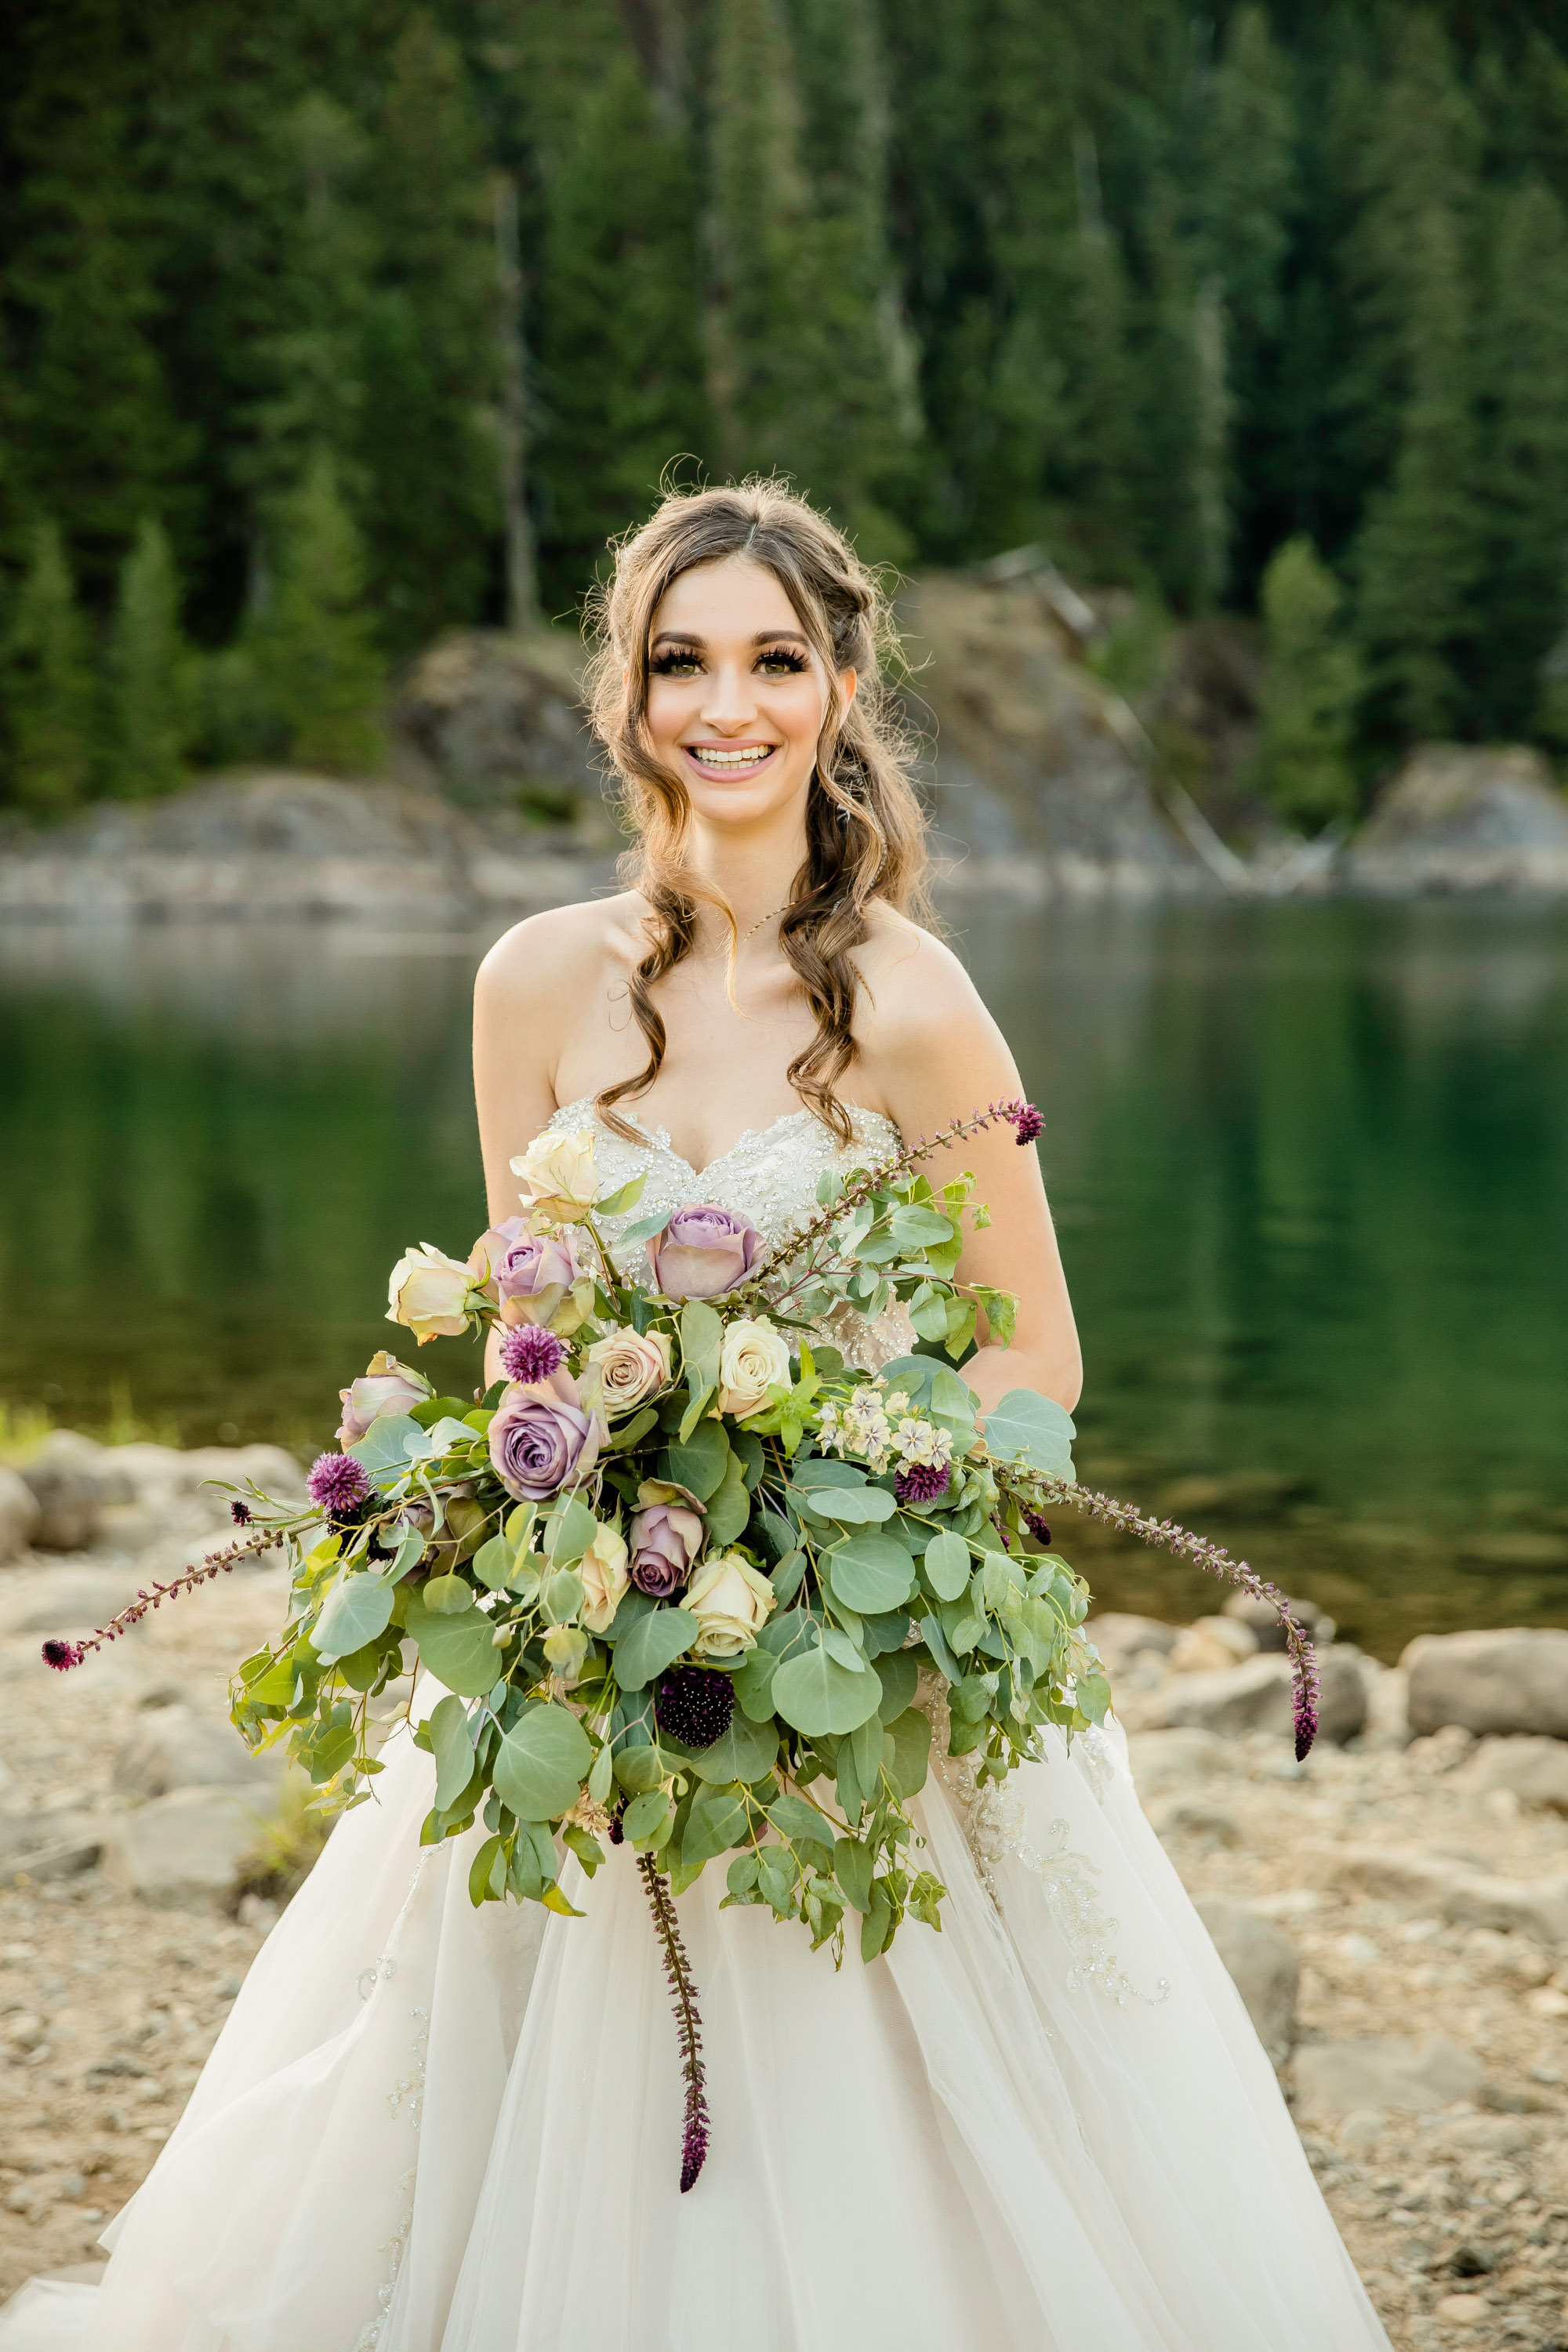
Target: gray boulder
(1418,2078)
(1263,1965)
(184,1847)
(1534,1770)
(65,1601)
(1461,819)
(19,1516)
(1441,1887)
(1190,1818)
(1512,1679)
(1255,1696)
(171,1747)
(69,1500)
(1168,1760)
(1119,1636)
(501,718)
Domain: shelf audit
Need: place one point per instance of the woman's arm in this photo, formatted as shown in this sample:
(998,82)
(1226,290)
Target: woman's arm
(933,1053)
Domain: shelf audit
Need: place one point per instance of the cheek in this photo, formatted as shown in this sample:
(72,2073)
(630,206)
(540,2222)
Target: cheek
(669,701)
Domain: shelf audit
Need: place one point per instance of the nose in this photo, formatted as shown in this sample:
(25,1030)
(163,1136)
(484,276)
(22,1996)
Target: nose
(730,703)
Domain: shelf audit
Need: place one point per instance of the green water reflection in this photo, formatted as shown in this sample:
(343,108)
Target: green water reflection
(1310,1165)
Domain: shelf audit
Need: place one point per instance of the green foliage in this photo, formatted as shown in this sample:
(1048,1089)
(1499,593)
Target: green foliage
(1311,690)
(311,650)
(152,674)
(50,691)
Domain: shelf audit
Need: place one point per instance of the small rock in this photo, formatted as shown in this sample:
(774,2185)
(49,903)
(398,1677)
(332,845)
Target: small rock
(1444,1750)
(1118,1636)
(1387,1689)
(183,1846)
(1513,1679)
(1532,1769)
(1212,1644)
(19,1516)
(1262,1965)
(1464,818)
(1463,2310)
(1255,1696)
(1485,2135)
(1163,1758)
(69,1499)
(257,1913)
(1363,2128)
(1547,2001)
(171,1747)
(1187,1818)
(70,1449)
(1339,2078)
(40,1847)
(1437,1884)
(1341,1702)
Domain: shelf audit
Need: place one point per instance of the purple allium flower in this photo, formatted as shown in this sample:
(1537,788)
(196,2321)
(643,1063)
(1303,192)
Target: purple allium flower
(1037,1527)
(694,1705)
(1028,1126)
(922,1482)
(63,1655)
(338,1485)
(239,1513)
(531,1353)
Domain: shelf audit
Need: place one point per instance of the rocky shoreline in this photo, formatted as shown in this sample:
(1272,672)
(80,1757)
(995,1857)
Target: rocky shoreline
(1394,1912)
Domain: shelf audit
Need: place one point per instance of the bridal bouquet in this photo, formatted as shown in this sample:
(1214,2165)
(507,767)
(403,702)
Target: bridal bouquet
(681,1574)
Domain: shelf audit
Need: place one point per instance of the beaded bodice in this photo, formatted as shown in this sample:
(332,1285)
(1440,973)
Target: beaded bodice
(769,1174)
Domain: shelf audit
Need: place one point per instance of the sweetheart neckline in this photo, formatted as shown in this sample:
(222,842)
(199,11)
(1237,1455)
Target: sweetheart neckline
(657,1138)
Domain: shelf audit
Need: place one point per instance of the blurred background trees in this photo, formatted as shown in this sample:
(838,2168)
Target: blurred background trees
(1264,311)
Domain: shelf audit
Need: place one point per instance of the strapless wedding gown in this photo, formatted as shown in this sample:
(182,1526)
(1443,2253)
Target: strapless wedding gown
(428,2128)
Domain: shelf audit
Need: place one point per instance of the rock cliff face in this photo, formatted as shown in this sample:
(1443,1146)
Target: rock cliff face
(1456,819)
(499,719)
(1034,767)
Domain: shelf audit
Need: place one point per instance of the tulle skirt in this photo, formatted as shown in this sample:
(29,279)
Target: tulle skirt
(429,2128)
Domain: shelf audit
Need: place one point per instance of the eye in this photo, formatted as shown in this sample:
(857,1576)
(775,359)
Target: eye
(675,661)
(781,660)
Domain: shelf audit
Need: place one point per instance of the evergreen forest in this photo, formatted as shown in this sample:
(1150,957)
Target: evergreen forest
(327,325)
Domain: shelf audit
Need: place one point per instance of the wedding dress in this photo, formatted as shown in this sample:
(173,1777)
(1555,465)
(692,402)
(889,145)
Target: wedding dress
(1049,2127)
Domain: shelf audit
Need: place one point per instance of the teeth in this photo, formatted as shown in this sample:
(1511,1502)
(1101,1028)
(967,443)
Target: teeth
(711,757)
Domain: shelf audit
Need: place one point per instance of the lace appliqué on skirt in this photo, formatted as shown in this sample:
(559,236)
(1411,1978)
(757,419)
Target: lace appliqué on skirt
(408,2089)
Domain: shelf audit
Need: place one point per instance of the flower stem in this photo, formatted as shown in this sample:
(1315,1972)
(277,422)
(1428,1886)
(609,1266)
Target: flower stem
(214,1564)
(687,2024)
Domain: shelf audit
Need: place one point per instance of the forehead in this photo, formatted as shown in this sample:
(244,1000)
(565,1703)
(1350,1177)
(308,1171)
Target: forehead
(731,599)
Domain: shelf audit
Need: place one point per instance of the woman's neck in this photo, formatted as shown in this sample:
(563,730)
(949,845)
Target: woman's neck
(755,872)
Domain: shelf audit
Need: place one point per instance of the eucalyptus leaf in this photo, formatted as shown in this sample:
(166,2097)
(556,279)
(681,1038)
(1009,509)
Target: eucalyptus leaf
(569,1531)
(452,1745)
(871,1572)
(493,1563)
(800,1822)
(383,1453)
(920,1229)
(356,1610)
(701,1343)
(947,1565)
(1032,1429)
(644,1814)
(616,1204)
(539,1765)
(718,1819)
(935,1641)
(852,1869)
(814,1693)
(754,1684)
(730,1507)
(645,1228)
(786,1577)
(651,1644)
(700,1460)
(910,1735)
(744,1750)
(851,1506)
(448,1596)
(458,1650)
(827,1470)
(842,1645)
(899,1678)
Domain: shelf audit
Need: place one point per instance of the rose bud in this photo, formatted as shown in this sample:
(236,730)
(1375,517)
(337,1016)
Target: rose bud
(667,1534)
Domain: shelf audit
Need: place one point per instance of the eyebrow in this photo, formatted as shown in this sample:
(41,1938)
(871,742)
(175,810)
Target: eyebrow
(762,637)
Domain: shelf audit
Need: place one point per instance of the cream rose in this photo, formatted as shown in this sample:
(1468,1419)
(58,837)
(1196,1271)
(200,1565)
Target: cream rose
(635,1365)
(560,1179)
(429,1292)
(730,1600)
(753,1359)
(602,1569)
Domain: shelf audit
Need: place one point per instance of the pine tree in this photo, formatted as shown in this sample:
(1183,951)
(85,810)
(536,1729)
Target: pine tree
(152,679)
(50,691)
(428,359)
(1311,690)
(312,645)
(621,352)
(1525,476)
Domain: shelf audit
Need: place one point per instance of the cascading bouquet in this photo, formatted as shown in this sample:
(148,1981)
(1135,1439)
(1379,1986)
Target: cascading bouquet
(680,1574)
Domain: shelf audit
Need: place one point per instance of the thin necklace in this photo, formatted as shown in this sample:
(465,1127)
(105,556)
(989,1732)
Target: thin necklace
(767,918)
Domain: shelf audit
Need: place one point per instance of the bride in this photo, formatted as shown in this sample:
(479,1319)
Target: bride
(429,2128)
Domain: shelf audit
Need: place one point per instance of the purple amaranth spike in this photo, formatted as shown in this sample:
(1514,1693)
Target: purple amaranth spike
(531,1353)
(338,1484)
(1037,1527)
(687,2024)
(1027,1125)
(63,1655)
(922,1482)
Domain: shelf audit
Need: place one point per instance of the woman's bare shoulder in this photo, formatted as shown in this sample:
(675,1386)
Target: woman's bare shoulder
(562,951)
(910,979)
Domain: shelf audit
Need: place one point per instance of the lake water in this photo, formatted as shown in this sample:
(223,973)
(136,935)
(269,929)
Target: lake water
(1310,1162)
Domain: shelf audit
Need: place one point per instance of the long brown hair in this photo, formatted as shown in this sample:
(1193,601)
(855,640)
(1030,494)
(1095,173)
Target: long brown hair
(864,831)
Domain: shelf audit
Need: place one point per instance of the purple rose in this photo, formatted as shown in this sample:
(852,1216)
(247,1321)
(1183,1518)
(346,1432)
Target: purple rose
(667,1534)
(543,1438)
(704,1251)
(528,1274)
(385,1386)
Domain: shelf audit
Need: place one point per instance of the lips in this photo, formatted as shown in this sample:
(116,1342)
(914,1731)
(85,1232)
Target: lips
(730,759)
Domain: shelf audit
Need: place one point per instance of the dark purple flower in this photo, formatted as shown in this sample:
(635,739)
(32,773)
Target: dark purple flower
(63,1655)
(693,2147)
(922,1482)
(1027,1125)
(239,1513)
(1306,1723)
(531,1353)
(338,1485)
(617,1835)
(694,1705)
(1037,1527)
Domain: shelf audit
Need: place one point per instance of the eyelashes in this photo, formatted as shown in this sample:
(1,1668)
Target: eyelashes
(676,662)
